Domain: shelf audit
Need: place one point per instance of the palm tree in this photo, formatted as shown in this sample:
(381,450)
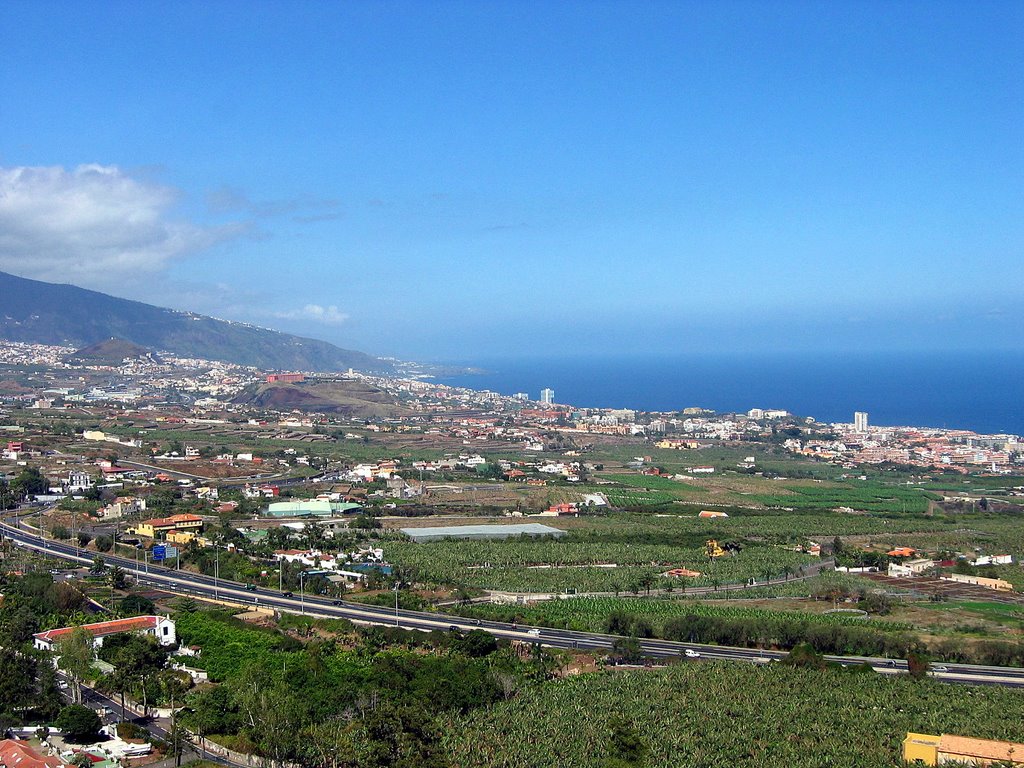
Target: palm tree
(647,581)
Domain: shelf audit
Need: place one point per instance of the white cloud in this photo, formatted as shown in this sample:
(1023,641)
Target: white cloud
(327,315)
(92,223)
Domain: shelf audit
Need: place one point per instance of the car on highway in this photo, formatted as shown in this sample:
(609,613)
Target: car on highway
(288,594)
(534,632)
(453,628)
(337,602)
(251,587)
(938,668)
(691,654)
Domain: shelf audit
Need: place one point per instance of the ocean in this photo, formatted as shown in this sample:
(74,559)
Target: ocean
(976,391)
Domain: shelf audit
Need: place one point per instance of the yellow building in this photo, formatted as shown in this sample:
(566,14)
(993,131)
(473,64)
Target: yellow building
(922,748)
(963,750)
(1000,585)
(160,527)
(180,537)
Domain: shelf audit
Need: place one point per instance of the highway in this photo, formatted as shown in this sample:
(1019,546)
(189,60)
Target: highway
(208,587)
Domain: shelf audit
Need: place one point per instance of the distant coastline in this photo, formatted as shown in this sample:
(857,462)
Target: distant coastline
(979,391)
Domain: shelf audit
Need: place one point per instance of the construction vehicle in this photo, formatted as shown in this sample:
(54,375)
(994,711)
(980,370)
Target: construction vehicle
(712,549)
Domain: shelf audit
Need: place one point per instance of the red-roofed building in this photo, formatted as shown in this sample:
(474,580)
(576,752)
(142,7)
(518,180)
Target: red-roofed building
(563,509)
(18,754)
(160,627)
(902,552)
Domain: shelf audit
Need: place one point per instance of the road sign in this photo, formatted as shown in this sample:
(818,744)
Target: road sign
(159,552)
(170,551)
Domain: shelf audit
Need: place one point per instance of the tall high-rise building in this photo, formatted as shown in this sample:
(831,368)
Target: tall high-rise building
(860,421)
(547,395)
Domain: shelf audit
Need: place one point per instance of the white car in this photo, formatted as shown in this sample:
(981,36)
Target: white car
(691,654)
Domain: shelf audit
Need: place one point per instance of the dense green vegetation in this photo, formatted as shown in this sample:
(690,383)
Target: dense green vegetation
(710,714)
(230,644)
(33,603)
(373,700)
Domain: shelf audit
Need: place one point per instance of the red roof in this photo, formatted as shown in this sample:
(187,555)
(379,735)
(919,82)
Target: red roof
(173,520)
(563,508)
(18,754)
(103,628)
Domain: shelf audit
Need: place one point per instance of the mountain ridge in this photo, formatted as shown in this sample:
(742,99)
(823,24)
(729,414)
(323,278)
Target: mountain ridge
(37,312)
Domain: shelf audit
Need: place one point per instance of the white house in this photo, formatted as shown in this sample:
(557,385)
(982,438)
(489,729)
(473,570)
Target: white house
(160,627)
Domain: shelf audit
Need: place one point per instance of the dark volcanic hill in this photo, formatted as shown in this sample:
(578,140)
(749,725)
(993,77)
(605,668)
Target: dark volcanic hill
(355,399)
(110,352)
(46,313)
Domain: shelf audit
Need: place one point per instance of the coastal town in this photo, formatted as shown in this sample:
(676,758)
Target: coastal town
(202,392)
(296,490)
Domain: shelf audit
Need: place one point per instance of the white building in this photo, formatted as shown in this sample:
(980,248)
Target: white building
(860,421)
(160,627)
(78,481)
(547,395)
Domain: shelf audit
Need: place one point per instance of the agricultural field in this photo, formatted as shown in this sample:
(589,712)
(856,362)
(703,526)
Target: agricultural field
(630,498)
(747,490)
(711,714)
(590,614)
(584,566)
(652,482)
(867,497)
(645,544)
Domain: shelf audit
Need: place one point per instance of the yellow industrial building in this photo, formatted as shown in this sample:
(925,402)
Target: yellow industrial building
(925,749)
(166,526)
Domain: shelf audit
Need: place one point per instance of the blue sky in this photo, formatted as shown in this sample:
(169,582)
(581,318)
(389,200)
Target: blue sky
(454,180)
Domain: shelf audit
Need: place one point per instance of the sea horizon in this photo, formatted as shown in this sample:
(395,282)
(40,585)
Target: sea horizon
(976,390)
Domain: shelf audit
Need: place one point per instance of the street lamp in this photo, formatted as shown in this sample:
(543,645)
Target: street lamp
(216,573)
(397,585)
(302,595)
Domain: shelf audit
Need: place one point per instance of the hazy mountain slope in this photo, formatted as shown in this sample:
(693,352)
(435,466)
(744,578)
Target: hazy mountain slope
(47,313)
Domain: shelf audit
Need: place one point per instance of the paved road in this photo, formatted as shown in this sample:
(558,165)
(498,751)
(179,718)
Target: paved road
(186,583)
(110,711)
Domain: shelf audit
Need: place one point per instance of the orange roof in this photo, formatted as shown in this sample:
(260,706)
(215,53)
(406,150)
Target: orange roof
(902,552)
(986,749)
(173,520)
(103,628)
(18,753)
